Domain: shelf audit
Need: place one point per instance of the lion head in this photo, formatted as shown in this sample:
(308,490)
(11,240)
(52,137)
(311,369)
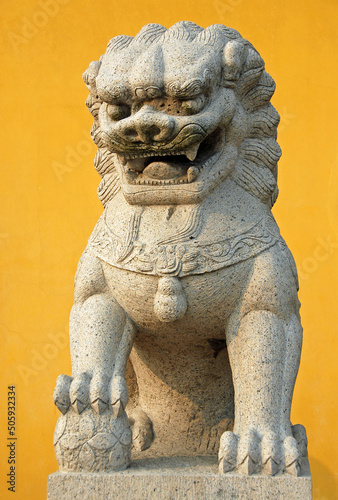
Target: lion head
(179,110)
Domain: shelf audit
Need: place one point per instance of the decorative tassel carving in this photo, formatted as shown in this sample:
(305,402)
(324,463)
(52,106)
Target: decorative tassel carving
(170,302)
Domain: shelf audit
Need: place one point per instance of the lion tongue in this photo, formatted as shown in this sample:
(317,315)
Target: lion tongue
(163,170)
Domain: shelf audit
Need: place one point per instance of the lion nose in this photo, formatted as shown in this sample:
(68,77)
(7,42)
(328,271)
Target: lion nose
(147,126)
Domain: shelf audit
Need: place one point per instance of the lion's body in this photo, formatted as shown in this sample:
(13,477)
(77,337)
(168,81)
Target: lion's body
(172,359)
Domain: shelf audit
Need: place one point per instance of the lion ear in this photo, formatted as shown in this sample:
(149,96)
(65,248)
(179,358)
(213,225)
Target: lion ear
(234,56)
(90,75)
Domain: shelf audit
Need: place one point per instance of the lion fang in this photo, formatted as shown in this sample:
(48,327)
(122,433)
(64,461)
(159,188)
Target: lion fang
(191,153)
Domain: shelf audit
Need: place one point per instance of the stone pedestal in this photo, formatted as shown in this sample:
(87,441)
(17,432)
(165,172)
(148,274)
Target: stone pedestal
(178,478)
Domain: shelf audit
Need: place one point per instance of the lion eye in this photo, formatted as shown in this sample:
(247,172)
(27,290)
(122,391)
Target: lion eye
(193,106)
(118,111)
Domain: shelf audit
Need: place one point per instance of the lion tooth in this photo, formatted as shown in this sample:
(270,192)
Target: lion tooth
(191,153)
(192,173)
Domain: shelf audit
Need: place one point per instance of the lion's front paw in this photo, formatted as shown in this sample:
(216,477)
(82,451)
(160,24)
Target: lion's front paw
(252,453)
(99,391)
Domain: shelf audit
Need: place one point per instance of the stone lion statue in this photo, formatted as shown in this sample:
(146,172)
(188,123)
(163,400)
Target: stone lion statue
(185,273)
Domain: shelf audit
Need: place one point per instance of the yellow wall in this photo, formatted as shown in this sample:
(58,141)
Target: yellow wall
(47,218)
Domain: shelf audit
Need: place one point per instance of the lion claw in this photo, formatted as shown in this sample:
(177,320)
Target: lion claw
(248,466)
(61,393)
(270,467)
(99,406)
(118,408)
(293,469)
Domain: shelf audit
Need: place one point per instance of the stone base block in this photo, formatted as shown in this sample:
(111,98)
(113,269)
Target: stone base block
(176,479)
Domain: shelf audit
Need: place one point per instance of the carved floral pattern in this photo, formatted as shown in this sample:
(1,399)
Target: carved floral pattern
(92,442)
(183,258)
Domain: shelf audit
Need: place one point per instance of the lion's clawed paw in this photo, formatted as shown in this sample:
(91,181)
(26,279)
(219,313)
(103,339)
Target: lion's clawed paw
(99,391)
(268,454)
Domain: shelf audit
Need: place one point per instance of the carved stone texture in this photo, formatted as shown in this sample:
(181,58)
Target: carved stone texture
(188,478)
(92,442)
(186,271)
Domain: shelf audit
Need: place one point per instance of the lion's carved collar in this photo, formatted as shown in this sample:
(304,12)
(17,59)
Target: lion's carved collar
(188,252)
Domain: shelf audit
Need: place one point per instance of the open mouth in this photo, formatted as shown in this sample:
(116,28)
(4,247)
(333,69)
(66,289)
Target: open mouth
(171,167)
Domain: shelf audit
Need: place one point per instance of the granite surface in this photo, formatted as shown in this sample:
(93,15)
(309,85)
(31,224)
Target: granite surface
(178,478)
